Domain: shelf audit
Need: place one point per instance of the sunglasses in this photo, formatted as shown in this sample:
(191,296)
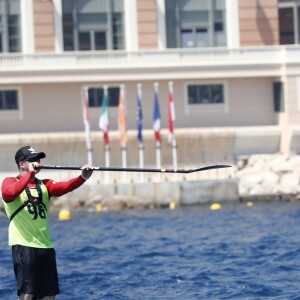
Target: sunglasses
(33,160)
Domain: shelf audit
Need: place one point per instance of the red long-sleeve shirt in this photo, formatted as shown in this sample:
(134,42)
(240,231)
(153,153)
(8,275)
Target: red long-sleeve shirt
(11,187)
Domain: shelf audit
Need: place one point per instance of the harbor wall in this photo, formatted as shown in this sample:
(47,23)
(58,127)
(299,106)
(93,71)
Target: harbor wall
(115,196)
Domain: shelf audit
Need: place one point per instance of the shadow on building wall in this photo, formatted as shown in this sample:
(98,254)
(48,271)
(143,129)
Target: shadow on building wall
(264,26)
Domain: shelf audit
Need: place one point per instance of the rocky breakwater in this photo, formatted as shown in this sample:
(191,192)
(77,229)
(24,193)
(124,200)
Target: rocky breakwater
(269,177)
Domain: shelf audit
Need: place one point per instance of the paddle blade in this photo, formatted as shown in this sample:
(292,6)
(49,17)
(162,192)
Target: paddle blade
(209,168)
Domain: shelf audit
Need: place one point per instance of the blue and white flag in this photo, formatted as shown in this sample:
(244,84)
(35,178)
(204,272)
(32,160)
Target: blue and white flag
(139,114)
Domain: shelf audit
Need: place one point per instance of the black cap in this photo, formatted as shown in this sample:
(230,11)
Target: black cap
(29,154)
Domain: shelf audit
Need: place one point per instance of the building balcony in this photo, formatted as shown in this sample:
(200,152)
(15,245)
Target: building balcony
(150,65)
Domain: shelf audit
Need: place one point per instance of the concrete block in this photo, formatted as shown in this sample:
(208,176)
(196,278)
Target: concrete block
(105,189)
(196,192)
(208,191)
(166,192)
(125,189)
(145,190)
(225,191)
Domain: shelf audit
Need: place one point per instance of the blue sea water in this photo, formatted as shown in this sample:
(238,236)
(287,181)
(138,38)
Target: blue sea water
(238,252)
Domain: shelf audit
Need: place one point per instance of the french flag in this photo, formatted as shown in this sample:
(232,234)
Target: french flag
(156,115)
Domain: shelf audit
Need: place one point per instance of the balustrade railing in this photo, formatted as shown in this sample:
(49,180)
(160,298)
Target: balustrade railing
(221,56)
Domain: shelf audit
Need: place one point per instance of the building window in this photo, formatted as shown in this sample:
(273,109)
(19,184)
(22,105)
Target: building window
(93,25)
(9,100)
(10,104)
(96,95)
(10,37)
(207,98)
(195,24)
(205,94)
(289,22)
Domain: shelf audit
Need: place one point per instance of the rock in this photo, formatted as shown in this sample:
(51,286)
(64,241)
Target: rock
(279,163)
(270,174)
(289,183)
(294,163)
(258,189)
(248,171)
(68,202)
(242,162)
(118,202)
(93,200)
(269,179)
(243,190)
(251,180)
(138,203)
(113,203)
(257,160)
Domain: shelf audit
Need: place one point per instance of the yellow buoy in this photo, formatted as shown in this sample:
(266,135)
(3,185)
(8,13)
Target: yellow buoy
(99,207)
(249,203)
(64,215)
(215,206)
(172,205)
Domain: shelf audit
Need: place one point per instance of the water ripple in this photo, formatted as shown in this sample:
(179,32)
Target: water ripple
(238,252)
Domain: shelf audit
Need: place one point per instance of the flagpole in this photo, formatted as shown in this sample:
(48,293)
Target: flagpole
(139,128)
(107,161)
(124,157)
(157,129)
(141,160)
(158,156)
(107,158)
(174,154)
(171,125)
(124,160)
(87,124)
(122,130)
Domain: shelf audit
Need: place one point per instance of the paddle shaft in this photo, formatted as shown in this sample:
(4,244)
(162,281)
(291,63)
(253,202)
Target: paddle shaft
(148,170)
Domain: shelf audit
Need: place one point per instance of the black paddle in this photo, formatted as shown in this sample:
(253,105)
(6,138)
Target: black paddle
(49,167)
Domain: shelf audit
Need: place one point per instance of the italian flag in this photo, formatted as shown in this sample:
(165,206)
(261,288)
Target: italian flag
(103,121)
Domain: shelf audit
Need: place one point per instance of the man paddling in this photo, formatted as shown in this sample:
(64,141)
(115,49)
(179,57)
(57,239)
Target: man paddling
(26,202)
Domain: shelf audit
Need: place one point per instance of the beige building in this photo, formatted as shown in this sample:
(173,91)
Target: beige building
(235,66)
